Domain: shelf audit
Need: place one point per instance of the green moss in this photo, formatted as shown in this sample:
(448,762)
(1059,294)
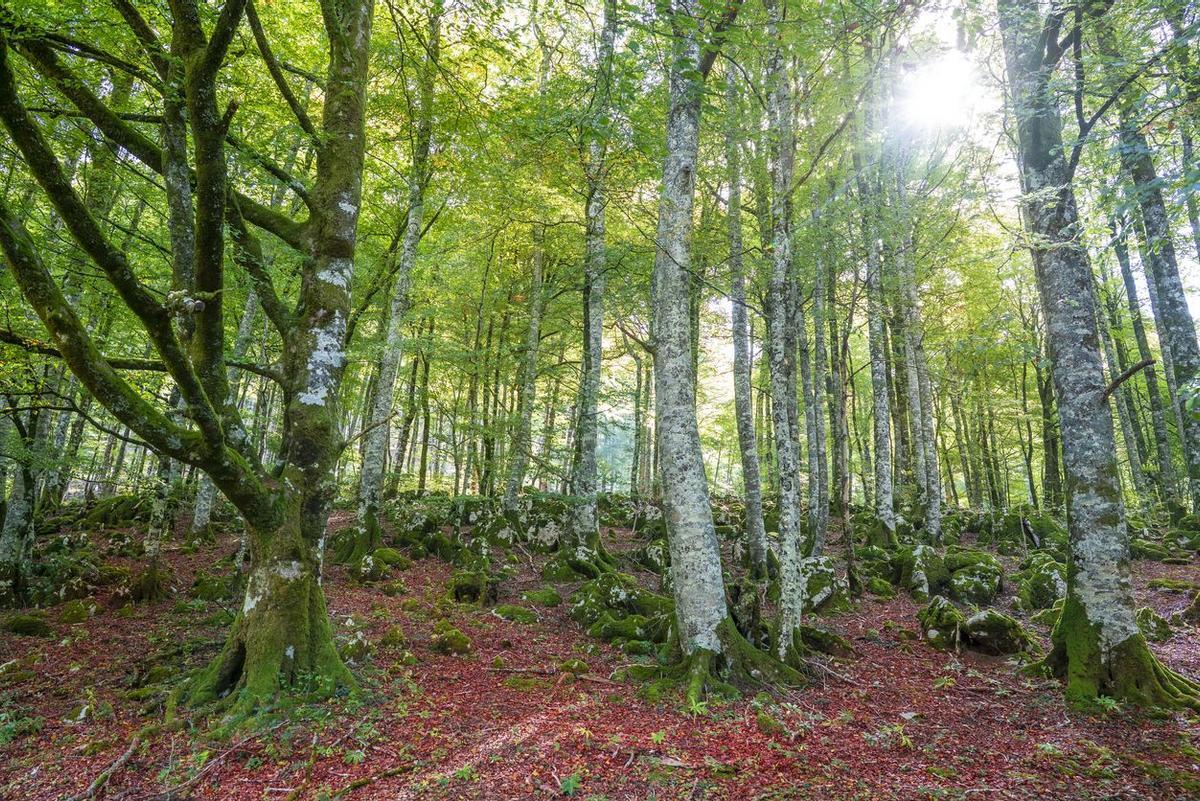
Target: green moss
(1050,615)
(1174,585)
(921,571)
(28,625)
(1041,582)
(393,588)
(881,587)
(543,597)
(639,647)
(75,611)
(994,632)
(1154,626)
(525,683)
(109,575)
(824,590)
(392,558)
(575,666)
(517,614)
(208,587)
(446,639)
(941,624)
(393,639)
(1148,549)
(472,586)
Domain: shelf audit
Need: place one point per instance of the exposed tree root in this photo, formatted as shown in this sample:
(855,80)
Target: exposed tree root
(1127,672)
(280,642)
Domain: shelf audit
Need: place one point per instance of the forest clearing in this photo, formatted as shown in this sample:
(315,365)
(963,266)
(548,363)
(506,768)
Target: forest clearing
(599,399)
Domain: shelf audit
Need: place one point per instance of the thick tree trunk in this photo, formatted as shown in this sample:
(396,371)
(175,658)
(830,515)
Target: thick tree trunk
(697,583)
(1097,644)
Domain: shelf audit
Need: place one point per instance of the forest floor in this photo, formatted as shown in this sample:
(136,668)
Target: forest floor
(898,720)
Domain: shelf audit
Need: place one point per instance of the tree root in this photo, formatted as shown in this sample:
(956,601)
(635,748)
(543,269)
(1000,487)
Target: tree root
(703,673)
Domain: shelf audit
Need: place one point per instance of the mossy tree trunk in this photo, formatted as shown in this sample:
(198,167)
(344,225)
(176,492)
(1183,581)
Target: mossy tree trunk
(1097,645)
(283,624)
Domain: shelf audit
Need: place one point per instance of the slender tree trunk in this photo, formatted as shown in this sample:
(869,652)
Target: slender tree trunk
(743,366)
(376,437)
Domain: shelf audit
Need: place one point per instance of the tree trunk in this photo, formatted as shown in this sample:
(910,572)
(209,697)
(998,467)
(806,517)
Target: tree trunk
(376,437)
(756,535)
(1096,645)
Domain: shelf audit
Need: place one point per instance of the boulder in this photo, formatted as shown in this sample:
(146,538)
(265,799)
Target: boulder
(994,632)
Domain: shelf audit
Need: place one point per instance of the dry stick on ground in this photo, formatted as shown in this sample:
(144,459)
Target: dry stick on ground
(117,764)
(212,763)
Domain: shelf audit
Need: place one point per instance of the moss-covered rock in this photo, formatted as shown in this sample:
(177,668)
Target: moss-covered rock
(27,625)
(994,632)
(978,585)
(446,639)
(880,587)
(655,556)
(616,593)
(108,575)
(392,558)
(208,587)
(547,596)
(472,586)
(576,666)
(516,614)
(369,569)
(75,611)
(1049,616)
(941,624)
(630,627)
(920,570)
(1148,549)
(1041,582)
(393,588)
(357,649)
(1154,626)
(824,589)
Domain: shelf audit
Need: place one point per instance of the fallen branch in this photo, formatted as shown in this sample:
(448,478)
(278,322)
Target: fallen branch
(117,764)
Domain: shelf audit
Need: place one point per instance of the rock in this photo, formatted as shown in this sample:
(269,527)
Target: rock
(75,611)
(941,624)
(517,614)
(824,589)
(1154,626)
(369,569)
(881,587)
(574,666)
(448,640)
(543,597)
(208,587)
(1148,549)
(28,625)
(393,588)
(109,575)
(654,556)
(1042,581)
(357,649)
(994,632)
(472,586)
(1049,616)
(392,558)
(921,571)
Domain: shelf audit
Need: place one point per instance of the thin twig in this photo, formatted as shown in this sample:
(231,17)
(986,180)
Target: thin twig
(1125,376)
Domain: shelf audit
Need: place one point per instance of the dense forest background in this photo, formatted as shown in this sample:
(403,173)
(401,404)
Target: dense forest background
(747,328)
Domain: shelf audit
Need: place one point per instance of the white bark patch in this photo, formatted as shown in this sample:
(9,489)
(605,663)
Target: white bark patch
(337,273)
(324,362)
